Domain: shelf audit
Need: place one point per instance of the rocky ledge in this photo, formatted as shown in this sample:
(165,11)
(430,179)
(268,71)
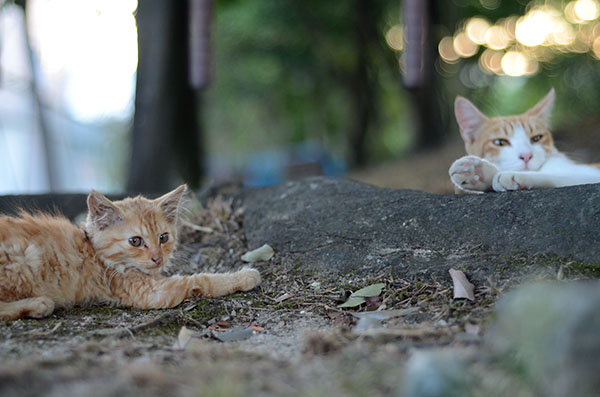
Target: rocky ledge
(341,225)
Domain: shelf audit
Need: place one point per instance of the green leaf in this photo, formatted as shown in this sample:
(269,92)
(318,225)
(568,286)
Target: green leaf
(353,302)
(357,298)
(371,290)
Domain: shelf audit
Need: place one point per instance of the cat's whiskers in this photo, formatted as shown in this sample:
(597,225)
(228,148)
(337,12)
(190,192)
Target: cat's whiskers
(110,278)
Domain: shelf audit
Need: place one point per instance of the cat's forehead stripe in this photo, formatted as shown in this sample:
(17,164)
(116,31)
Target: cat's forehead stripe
(519,132)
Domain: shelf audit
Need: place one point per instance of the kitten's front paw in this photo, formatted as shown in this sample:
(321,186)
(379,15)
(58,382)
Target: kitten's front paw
(508,181)
(39,307)
(472,173)
(249,278)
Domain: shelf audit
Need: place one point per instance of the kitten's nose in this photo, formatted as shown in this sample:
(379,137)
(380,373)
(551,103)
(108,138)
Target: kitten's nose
(157,259)
(526,157)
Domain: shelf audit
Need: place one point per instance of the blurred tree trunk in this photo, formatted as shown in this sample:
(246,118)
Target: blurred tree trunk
(362,86)
(419,75)
(166,137)
(42,123)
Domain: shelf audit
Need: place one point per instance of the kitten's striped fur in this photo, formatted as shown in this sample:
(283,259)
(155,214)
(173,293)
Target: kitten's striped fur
(47,262)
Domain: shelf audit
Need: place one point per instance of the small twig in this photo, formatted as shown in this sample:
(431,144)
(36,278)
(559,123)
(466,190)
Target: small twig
(38,333)
(152,322)
(131,330)
(326,307)
(197,228)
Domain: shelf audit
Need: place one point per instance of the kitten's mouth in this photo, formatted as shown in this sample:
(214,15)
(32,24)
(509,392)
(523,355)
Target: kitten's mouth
(152,267)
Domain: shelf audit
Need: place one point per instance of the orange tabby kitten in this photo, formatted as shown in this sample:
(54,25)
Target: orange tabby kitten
(514,152)
(46,262)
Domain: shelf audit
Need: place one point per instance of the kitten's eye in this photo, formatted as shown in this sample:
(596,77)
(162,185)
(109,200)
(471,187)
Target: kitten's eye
(501,142)
(164,238)
(136,241)
(536,138)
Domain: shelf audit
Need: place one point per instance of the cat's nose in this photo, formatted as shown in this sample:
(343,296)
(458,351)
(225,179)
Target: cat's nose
(157,259)
(526,157)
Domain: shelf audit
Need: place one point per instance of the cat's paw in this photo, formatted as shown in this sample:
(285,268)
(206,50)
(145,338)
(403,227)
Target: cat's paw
(249,278)
(38,307)
(473,173)
(508,181)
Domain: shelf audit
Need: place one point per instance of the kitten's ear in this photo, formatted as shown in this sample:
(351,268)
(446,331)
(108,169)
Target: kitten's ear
(101,211)
(169,203)
(469,119)
(543,109)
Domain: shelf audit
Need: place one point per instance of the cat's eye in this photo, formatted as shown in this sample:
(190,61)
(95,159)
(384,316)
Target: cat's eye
(501,142)
(136,241)
(536,138)
(164,238)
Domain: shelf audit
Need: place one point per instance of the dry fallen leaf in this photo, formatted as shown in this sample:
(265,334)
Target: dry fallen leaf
(283,297)
(183,338)
(263,253)
(235,335)
(463,289)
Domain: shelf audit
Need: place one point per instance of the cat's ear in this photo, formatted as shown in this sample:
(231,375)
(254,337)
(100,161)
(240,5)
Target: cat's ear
(101,211)
(169,203)
(469,119)
(543,109)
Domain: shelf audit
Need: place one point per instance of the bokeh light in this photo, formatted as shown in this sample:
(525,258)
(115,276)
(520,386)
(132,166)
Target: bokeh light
(586,10)
(463,46)
(491,61)
(395,37)
(534,27)
(446,50)
(596,48)
(516,45)
(497,38)
(476,29)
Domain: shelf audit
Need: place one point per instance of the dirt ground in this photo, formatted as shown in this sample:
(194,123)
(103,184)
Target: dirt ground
(287,337)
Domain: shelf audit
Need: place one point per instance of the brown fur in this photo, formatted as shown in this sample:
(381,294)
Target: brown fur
(46,262)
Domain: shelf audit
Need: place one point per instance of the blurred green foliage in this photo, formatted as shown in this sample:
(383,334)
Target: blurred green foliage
(286,71)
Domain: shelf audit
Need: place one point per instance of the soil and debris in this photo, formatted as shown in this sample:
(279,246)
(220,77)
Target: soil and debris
(291,336)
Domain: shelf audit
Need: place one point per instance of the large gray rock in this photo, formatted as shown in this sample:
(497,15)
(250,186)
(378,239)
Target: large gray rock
(544,341)
(342,225)
(69,205)
(549,334)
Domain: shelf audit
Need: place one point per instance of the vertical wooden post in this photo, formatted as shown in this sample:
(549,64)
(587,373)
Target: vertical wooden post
(200,38)
(419,77)
(416,31)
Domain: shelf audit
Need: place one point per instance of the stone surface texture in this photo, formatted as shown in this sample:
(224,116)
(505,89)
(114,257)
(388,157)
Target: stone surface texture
(342,225)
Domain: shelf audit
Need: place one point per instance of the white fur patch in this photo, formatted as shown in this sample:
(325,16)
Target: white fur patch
(33,255)
(509,158)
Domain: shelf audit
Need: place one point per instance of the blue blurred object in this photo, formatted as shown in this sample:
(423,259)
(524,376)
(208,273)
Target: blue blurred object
(308,158)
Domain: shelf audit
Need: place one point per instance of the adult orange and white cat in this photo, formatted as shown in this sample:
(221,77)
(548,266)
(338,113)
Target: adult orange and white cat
(116,258)
(513,152)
